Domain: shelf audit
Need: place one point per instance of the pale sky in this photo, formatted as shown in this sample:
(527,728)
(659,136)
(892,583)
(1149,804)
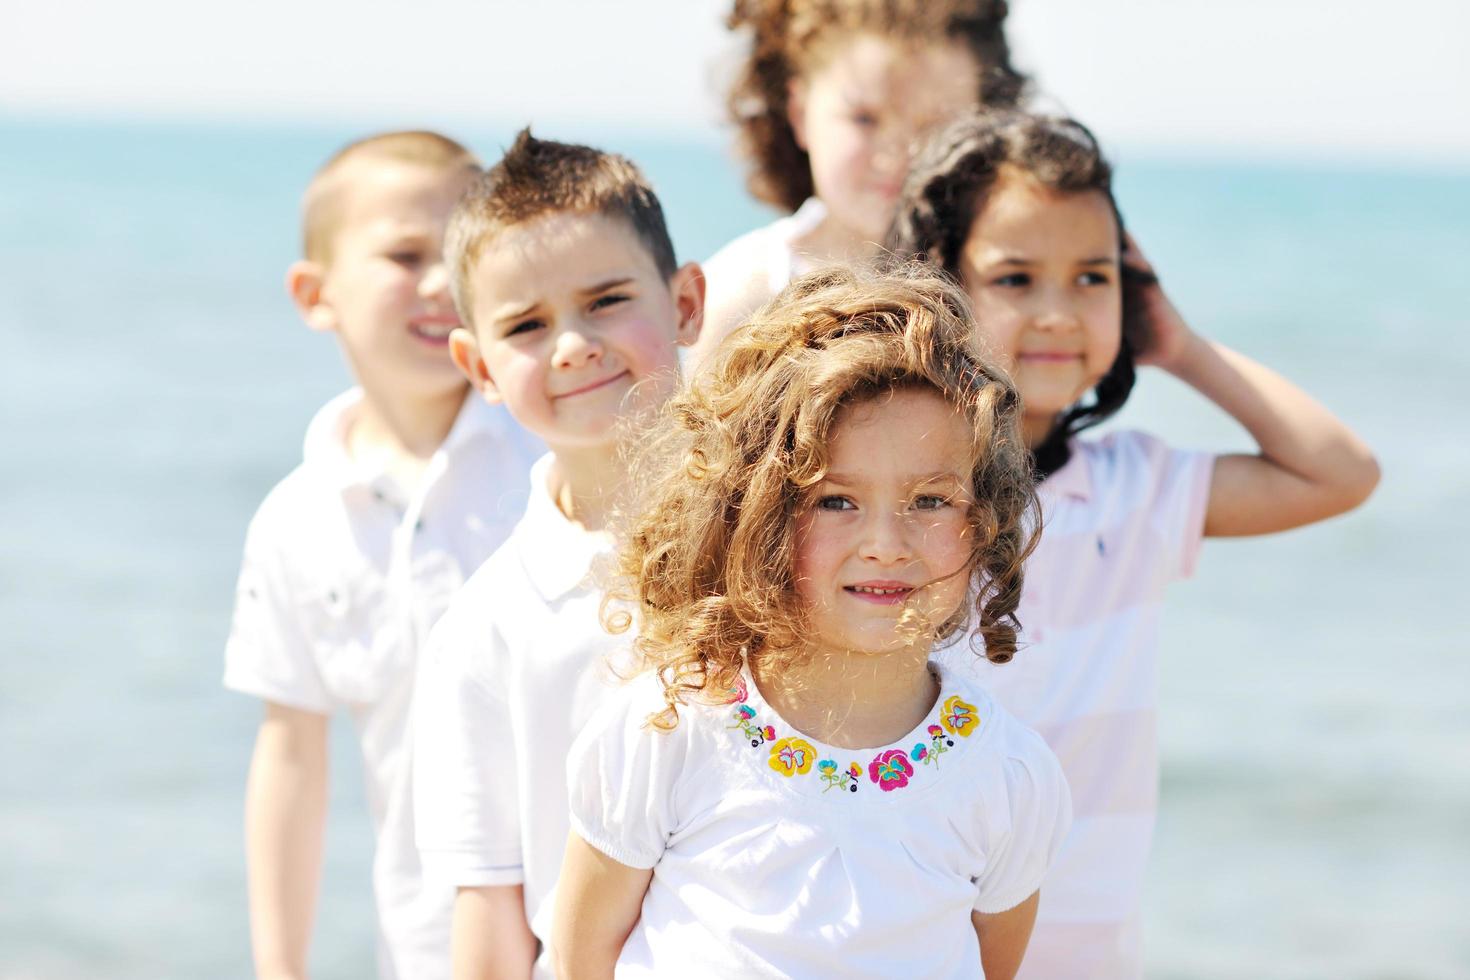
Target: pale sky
(1373,81)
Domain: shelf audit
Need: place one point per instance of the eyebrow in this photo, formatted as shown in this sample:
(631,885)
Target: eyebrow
(1022,260)
(515,314)
(605,286)
(912,479)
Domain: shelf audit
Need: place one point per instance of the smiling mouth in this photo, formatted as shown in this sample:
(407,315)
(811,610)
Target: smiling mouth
(433,329)
(1050,357)
(592,387)
(884,595)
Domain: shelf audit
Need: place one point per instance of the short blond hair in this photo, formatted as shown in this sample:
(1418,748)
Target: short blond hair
(538,177)
(321,205)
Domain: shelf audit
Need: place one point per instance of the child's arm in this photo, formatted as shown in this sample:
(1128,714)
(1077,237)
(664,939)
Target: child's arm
(285,813)
(491,937)
(1310,466)
(1003,937)
(598,901)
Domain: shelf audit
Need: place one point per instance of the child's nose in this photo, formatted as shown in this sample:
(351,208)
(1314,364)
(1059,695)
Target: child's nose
(885,538)
(576,346)
(435,283)
(1055,313)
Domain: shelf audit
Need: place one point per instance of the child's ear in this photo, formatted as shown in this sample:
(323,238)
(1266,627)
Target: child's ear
(796,109)
(464,350)
(687,287)
(304,285)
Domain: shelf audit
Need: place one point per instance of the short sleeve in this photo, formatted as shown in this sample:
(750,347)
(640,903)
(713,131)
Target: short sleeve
(269,653)
(465,788)
(622,775)
(1039,816)
(1179,496)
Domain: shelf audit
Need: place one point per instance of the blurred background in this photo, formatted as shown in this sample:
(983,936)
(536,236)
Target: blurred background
(1298,171)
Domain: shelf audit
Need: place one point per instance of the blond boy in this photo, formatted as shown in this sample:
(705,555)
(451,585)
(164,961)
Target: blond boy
(408,482)
(574,309)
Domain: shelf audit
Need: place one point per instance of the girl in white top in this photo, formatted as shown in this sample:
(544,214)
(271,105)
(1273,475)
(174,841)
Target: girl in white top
(792,788)
(828,101)
(1019,208)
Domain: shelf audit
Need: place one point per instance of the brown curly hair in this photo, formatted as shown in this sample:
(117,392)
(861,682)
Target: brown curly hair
(947,187)
(785,40)
(707,564)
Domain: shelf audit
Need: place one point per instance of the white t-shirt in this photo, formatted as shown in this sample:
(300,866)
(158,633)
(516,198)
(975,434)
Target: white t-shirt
(774,855)
(1123,519)
(341,579)
(510,674)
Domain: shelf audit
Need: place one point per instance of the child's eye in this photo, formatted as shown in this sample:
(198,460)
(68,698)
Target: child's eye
(1094,279)
(1012,280)
(864,119)
(603,302)
(835,503)
(408,260)
(525,326)
(930,501)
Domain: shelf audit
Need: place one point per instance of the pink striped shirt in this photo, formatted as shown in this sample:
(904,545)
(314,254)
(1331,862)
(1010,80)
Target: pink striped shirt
(1122,520)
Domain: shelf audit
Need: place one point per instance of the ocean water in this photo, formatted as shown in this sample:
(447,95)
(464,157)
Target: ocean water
(155,383)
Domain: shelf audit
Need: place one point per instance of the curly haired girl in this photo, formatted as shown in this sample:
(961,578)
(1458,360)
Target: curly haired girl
(793,787)
(829,100)
(1019,209)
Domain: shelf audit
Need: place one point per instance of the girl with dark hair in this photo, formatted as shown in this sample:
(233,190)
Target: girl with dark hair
(828,102)
(1019,209)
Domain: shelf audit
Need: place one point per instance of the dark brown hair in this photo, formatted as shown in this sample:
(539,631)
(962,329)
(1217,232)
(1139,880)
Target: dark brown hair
(708,565)
(538,177)
(321,206)
(946,190)
(785,36)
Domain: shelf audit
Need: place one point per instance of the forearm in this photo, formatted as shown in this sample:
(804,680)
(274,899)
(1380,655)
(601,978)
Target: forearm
(492,939)
(1330,469)
(285,813)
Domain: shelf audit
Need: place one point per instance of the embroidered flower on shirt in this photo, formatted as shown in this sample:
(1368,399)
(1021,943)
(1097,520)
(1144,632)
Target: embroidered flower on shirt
(891,770)
(959,717)
(847,779)
(792,756)
(738,693)
(756,733)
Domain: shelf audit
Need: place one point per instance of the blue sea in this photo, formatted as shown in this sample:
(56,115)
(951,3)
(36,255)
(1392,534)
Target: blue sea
(155,383)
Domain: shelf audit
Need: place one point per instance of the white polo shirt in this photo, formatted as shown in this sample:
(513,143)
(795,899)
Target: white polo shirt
(510,675)
(342,578)
(1123,519)
(775,855)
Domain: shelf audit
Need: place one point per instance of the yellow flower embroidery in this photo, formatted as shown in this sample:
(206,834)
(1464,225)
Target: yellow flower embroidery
(959,717)
(792,756)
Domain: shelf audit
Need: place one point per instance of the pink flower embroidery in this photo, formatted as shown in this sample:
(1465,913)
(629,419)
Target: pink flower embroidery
(891,770)
(738,693)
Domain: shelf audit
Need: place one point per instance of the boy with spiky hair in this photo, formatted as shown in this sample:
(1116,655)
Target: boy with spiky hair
(408,482)
(573,310)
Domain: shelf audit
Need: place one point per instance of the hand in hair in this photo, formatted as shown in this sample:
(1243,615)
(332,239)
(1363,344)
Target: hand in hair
(1308,465)
(1161,335)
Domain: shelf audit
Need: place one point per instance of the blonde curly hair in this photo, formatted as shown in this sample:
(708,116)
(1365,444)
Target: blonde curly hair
(706,566)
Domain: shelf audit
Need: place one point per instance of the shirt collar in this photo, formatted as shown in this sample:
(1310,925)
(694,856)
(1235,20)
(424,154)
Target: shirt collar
(325,447)
(1074,479)
(557,553)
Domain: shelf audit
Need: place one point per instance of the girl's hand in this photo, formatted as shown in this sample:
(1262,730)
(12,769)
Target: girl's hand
(1160,335)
